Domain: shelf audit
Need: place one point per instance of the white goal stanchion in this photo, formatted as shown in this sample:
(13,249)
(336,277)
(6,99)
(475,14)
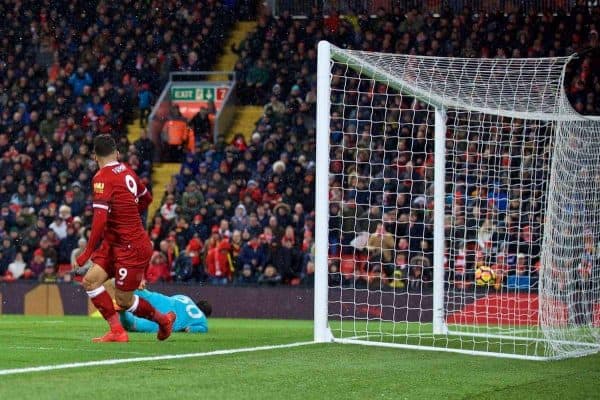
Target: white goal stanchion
(457,206)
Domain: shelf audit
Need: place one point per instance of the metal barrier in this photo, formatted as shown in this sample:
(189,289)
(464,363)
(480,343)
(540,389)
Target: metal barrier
(194,84)
(303,7)
(226,115)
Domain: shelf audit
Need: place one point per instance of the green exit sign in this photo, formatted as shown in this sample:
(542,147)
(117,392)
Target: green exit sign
(183,94)
(201,93)
(207,94)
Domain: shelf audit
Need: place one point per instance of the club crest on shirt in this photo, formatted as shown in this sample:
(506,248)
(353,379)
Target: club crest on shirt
(99,187)
(118,169)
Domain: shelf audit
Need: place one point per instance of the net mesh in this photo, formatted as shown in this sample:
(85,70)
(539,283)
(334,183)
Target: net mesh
(522,173)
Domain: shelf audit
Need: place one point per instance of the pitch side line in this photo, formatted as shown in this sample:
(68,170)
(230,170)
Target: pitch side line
(15,371)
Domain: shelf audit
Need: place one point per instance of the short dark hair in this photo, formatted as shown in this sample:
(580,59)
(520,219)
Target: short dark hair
(205,307)
(104,145)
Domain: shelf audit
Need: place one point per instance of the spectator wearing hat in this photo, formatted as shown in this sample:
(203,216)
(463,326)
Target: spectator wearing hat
(194,251)
(218,263)
(199,227)
(247,276)
(36,266)
(190,205)
(252,190)
(158,268)
(271,196)
(240,219)
(74,201)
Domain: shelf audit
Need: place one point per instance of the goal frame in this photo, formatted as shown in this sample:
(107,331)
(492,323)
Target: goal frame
(322,331)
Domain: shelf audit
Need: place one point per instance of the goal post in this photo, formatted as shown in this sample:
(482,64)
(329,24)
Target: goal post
(321,328)
(439,182)
(451,209)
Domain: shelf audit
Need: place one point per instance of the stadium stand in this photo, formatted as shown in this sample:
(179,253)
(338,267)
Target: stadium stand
(276,69)
(240,213)
(70,70)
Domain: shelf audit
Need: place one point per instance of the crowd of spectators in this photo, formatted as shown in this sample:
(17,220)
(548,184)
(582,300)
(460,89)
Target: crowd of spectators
(376,227)
(243,212)
(281,53)
(70,70)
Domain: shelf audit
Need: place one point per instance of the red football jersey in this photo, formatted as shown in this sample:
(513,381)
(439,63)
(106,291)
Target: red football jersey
(118,189)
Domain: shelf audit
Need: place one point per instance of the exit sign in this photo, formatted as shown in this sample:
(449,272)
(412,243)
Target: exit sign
(199,93)
(184,94)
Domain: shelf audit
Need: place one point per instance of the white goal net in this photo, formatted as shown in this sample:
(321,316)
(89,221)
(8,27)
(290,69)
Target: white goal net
(458,206)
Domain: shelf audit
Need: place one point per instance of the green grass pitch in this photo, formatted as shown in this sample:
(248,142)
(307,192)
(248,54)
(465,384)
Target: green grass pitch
(324,371)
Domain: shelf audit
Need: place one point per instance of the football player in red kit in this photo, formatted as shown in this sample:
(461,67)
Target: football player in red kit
(118,198)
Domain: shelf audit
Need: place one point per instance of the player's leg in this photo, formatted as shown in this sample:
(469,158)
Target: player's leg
(131,323)
(93,283)
(128,280)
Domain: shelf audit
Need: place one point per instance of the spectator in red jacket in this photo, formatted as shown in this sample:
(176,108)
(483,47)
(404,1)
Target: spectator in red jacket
(271,196)
(158,269)
(253,190)
(218,263)
(193,250)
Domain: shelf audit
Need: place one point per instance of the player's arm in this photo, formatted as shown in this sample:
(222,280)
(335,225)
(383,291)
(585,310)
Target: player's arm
(144,196)
(101,206)
(197,327)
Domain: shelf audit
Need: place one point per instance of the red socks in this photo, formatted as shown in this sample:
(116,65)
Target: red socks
(143,309)
(103,302)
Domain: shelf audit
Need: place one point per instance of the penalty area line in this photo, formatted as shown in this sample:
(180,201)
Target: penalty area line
(43,368)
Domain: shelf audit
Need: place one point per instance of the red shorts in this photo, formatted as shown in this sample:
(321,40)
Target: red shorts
(127,264)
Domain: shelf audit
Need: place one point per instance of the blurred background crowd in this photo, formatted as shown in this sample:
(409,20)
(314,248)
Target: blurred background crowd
(243,212)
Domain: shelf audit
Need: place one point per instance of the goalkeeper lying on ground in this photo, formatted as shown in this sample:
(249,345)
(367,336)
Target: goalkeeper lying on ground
(191,316)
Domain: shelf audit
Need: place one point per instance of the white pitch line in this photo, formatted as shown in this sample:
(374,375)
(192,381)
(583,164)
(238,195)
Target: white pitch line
(43,368)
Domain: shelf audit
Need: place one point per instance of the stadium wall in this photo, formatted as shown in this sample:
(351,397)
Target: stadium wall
(230,302)
(31,298)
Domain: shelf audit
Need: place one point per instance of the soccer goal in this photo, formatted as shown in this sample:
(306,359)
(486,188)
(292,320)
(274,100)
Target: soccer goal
(458,206)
